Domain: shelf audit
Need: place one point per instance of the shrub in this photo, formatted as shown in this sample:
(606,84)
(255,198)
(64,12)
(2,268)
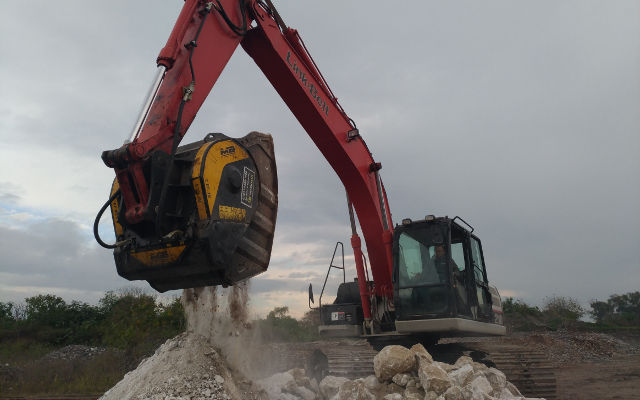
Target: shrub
(517,306)
(6,313)
(136,322)
(50,319)
(280,326)
(621,310)
(562,312)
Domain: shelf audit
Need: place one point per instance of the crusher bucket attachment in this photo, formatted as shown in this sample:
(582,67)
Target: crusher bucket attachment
(214,220)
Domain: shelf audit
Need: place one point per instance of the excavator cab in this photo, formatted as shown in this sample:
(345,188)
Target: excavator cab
(214,211)
(440,287)
(440,280)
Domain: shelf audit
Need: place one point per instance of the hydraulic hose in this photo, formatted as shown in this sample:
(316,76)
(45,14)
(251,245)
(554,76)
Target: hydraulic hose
(97,221)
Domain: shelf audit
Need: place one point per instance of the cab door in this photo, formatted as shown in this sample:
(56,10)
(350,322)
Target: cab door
(480,282)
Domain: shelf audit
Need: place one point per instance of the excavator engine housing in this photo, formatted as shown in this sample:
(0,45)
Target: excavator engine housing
(215,204)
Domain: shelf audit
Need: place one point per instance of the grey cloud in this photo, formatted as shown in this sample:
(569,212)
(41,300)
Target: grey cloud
(305,275)
(9,193)
(262,285)
(9,198)
(528,133)
(52,254)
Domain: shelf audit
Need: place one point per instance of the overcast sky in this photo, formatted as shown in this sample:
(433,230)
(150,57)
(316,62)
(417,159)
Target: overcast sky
(521,117)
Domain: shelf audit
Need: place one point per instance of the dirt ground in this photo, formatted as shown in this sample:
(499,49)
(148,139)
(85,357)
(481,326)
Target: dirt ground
(587,365)
(592,366)
(617,378)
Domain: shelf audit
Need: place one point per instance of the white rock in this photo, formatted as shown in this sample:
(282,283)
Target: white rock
(288,396)
(413,393)
(401,379)
(219,379)
(393,396)
(479,367)
(505,394)
(480,385)
(463,360)
(330,385)
(351,390)
(313,385)
(445,366)
(432,396)
(496,378)
(419,350)
(461,375)
(274,384)
(433,378)
(393,360)
(455,393)
(304,393)
(372,383)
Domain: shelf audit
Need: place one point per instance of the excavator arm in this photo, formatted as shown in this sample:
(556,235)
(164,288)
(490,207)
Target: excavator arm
(202,41)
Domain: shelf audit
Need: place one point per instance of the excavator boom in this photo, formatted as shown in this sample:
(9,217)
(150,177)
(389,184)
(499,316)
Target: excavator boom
(157,180)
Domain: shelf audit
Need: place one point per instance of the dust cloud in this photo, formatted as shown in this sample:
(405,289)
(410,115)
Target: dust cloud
(221,315)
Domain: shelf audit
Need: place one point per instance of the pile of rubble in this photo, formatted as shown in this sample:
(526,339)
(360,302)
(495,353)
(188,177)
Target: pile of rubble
(214,358)
(569,346)
(400,373)
(74,352)
(185,367)
(195,365)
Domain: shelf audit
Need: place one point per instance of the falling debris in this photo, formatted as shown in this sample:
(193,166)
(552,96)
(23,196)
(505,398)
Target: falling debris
(205,362)
(238,304)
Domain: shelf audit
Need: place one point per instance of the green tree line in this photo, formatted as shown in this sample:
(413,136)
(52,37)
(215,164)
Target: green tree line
(130,320)
(565,312)
(279,326)
(621,310)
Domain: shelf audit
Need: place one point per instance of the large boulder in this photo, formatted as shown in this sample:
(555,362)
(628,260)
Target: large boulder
(461,375)
(302,386)
(330,385)
(456,393)
(445,366)
(480,387)
(273,385)
(413,393)
(352,390)
(300,391)
(479,367)
(419,350)
(300,377)
(393,360)
(432,396)
(462,361)
(433,378)
(505,394)
(402,379)
(496,378)
(372,383)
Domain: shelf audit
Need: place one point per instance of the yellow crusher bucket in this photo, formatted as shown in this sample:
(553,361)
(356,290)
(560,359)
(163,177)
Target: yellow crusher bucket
(216,219)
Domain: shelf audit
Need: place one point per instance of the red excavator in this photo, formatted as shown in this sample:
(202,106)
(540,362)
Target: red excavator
(204,213)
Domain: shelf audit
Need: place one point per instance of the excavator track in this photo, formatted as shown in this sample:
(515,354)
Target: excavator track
(352,360)
(528,369)
(349,358)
